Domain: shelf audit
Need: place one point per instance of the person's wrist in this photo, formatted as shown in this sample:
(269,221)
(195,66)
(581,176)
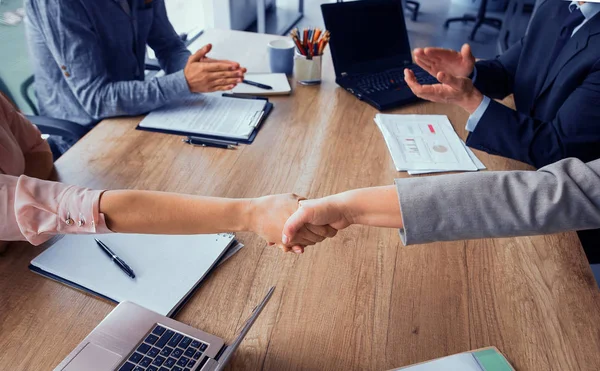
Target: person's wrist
(343,202)
(472,101)
(247,210)
(186,73)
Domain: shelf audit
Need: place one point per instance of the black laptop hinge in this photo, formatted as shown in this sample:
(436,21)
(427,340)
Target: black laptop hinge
(202,362)
(221,351)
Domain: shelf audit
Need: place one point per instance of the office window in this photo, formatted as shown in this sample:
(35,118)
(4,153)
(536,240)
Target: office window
(14,61)
(187,16)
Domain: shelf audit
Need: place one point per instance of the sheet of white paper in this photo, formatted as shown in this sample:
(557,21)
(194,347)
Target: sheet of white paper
(167,268)
(476,161)
(457,362)
(209,114)
(278,81)
(423,142)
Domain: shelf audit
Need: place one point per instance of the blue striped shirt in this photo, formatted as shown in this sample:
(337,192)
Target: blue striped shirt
(88,57)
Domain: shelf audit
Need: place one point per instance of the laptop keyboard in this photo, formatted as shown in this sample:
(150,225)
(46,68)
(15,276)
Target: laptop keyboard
(165,350)
(391,80)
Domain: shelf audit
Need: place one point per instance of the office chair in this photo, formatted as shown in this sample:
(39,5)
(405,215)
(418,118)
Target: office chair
(412,5)
(479,19)
(512,26)
(47,125)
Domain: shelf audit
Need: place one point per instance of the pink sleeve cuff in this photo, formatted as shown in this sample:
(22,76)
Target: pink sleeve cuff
(44,208)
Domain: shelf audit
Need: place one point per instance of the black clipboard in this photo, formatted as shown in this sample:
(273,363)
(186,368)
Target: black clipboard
(267,110)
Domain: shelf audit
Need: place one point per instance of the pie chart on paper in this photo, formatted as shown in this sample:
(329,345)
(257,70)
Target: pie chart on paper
(440,148)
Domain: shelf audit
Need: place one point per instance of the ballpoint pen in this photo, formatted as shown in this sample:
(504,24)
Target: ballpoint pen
(257,84)
(218,141)
(118,261)
(202,142)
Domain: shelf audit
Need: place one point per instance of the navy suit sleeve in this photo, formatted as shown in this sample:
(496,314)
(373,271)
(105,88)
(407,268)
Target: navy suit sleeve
(169,48)
(495,78)
(574,132)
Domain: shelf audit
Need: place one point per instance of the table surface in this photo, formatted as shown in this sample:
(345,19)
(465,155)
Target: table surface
(361,301)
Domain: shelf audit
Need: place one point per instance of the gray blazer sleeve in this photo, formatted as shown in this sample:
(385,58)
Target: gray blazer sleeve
(560,197)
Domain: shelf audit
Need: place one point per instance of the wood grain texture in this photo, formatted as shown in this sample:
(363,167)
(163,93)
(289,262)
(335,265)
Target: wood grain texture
(361,301)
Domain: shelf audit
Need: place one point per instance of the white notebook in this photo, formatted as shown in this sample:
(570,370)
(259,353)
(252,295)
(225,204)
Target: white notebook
(208,114)
(457,362)
(167,268)
(278,81)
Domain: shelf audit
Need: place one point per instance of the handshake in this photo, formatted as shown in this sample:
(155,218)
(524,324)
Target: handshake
(288,221)
(292,222)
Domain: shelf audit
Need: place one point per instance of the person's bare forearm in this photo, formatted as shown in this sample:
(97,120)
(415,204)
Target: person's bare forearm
(39,164)
(376,206)
(169,213)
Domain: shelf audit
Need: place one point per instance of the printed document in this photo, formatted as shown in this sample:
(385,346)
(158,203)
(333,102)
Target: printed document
(209,114)
(424,142)
(476,161)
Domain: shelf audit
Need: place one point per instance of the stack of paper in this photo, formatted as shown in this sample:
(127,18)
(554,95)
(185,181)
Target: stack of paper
(208,114)
(423,144)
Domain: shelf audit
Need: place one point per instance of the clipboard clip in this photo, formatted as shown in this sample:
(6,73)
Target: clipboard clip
(254,120)
(243,96)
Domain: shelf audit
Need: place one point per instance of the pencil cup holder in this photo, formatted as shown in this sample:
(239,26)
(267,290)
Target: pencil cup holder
(307,71)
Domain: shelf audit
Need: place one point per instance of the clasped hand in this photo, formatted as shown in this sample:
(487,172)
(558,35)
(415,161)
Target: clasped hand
(268,215)
(304,222)
(205,75)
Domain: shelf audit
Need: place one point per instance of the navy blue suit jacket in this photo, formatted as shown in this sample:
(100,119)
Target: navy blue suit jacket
(557,102)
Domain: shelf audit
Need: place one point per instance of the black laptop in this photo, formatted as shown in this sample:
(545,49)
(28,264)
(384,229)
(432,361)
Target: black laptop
(370,49)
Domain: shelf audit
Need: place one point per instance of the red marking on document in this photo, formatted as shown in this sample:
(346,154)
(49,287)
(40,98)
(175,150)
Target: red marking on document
(431,129)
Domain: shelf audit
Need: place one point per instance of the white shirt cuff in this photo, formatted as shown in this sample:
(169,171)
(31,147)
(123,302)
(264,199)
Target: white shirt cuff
(478,114)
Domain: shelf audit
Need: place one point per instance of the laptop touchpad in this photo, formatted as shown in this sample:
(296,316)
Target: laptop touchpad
(94,358)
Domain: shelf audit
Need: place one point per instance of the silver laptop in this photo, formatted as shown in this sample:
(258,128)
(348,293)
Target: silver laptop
(133,338)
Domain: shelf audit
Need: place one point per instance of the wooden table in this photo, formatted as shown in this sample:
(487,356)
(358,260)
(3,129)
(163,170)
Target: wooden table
(361,301)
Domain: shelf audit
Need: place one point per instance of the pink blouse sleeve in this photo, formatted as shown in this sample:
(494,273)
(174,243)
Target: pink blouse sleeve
(43,209)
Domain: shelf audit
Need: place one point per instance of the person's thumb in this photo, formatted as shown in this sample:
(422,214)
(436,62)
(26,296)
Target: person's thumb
(200,53)
(466,53)
(295,222)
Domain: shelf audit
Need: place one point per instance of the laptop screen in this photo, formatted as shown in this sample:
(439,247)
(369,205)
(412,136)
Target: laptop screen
(224,358)
(367,36)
